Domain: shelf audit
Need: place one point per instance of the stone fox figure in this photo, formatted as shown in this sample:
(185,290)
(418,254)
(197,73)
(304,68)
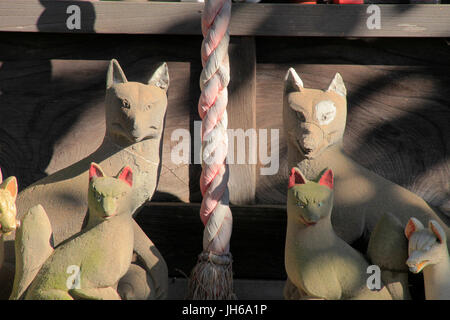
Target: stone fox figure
(135,115)
(99,256)
(8,221)
(319,264)
(428,251)
(314,124)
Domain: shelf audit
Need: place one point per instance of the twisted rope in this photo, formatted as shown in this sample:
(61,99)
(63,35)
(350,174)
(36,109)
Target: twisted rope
(214,212)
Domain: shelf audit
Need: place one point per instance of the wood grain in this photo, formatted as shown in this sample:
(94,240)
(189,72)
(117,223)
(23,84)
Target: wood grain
(242,117)
(247,19)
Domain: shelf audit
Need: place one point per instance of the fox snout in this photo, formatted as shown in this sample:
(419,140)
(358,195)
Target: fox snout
(416,264)
(311,138)
(9,226)
(309,218)
(109,207)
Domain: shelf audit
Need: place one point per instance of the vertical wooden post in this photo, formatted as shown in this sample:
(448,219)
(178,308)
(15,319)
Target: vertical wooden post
(242,115)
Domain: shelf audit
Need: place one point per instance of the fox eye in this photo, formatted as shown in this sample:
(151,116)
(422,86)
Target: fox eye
(301,205)
(325,112)
(319,204)
(98,197)
(149,106)
(125,104)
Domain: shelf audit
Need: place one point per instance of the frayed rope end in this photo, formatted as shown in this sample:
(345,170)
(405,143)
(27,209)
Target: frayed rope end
(212,278)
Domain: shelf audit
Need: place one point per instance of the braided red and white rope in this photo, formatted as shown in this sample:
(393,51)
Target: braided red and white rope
(215,212)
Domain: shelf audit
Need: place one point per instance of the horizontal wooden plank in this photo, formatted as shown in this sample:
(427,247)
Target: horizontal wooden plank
(247,19)
(257,244)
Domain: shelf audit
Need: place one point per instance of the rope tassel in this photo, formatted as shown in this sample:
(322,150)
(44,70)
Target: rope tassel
(212,277)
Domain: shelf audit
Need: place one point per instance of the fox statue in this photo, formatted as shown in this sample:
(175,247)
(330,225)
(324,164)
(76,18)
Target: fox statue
(428,251)
(134,115)
(8,221)
(314,124)
(319,264)
(98,256)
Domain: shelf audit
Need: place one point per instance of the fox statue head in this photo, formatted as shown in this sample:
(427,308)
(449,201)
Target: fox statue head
(109,196)
(135,111)
(313,119)
(427,246)
(308,201)
(8,211)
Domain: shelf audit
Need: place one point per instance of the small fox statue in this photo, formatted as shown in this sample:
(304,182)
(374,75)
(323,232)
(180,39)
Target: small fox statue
(428,251)
(98,257)
(8,211)
(134,114)
(319,264)
(8,221)
(314,122)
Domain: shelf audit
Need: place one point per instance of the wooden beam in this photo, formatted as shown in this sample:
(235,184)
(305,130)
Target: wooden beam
(247,19)
(257,244)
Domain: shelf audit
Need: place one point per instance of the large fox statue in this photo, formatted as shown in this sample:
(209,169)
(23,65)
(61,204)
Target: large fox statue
(314,123)
(135,115)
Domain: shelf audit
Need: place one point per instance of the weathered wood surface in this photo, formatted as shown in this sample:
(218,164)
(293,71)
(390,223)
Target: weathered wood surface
(247,19)
(241,111)
(52,90)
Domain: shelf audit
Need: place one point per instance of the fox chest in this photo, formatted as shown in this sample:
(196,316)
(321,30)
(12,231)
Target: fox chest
(329,272)
(310,271)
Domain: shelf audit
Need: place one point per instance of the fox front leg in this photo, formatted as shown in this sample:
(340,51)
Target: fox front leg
(137,284)
(107,293)
(152,261)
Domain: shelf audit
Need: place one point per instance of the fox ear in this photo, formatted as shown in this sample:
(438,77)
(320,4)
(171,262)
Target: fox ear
(437,230)
(412,226)
(160,77)
(1,177)
(337,85)
(126,174)
(95,171)
(296,177)
(327,179)
(115,74)
(292,81)
(10,184)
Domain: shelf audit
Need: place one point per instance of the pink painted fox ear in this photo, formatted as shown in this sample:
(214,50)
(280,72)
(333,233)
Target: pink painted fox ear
(1,177)
(10,184)
(126,174)
(95,171)
(412,226)
(327,179)
(437,230)
(296,177)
